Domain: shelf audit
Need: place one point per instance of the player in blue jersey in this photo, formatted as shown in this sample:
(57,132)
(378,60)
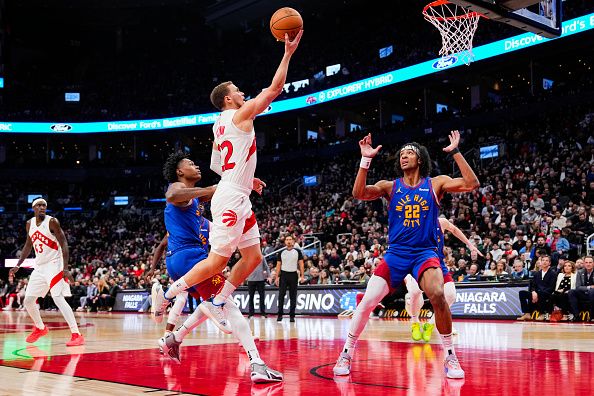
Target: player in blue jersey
(182,298)
(413,210)
(185,247)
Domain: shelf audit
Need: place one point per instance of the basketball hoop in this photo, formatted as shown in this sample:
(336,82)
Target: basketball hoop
(456,26)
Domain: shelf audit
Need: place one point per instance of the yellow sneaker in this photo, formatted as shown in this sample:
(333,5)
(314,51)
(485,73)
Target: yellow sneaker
(416,331)
(427,331)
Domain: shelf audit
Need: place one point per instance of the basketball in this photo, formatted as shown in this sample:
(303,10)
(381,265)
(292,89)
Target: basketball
(285,20)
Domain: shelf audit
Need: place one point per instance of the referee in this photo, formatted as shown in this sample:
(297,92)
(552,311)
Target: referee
(288,276)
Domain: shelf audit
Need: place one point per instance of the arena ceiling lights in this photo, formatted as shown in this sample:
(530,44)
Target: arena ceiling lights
(571,27)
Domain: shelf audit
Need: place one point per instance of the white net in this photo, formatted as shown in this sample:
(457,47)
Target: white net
(456,26)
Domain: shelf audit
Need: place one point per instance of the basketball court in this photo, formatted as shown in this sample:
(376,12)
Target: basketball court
(121,357)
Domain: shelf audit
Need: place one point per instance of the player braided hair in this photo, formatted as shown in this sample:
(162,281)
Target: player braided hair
(217,96)
(172,164)
(425,166)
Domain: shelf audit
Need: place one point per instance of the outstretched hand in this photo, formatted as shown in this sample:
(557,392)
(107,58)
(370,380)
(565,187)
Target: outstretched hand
(366,149)
(454,141)
(291,46)
(475,249)
(258,185)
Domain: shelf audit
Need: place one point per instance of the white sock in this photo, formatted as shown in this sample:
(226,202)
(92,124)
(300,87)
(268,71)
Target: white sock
(448,345)
(224,294)
(33,310)
(241,330)
(416,303)
(66,313)
(178,307)
(176,288)
(193,321)
(377,289)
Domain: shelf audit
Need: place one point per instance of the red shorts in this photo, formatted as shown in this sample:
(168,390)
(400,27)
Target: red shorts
(383,271)
(208,288)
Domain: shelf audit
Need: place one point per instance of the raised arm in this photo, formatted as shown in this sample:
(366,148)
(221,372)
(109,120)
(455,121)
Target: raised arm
(447,225)
(361,190)
(179,194)
(466,183)
(215,160)
(250,109)
(25,251)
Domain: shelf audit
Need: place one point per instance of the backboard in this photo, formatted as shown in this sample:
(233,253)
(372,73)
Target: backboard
(542,17)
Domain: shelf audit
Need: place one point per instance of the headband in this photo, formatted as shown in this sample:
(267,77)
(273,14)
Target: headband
(37,201)
(409,146)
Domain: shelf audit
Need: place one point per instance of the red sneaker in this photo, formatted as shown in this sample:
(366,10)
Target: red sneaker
(37,334)
(76,340)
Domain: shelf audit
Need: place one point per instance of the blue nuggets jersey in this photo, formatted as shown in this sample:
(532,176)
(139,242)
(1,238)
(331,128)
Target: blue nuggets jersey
(204,232)
(184,226)
(412,216)
(440,243)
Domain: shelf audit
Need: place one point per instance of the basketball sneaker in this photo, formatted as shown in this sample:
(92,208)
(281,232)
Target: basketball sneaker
(158,303)
(452,367)
(169,346)
(343,364)
(261,373)
(427,331)
(416,331)
(76,340)
(36,334)
(216,313)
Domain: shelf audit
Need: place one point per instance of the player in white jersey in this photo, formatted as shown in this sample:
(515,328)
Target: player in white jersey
(234,223)
(47,238)
(414,297)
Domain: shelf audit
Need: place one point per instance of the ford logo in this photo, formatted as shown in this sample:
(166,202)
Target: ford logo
(61,127)
(443,63)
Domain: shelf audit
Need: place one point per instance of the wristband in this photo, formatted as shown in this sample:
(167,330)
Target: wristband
(365,162)
(454,151)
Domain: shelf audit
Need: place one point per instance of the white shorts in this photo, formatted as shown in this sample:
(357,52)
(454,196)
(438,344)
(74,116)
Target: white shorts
(233,221)
(48,277)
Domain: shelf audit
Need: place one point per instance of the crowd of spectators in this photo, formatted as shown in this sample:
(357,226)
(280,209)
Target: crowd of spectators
(535,200)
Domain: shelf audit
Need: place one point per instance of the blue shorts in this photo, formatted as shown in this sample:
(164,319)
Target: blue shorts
(181,261)
(415,262)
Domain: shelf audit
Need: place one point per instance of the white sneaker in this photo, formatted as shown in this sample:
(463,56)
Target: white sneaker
(452,367)
(158,303)
(169,346)
(217,314)
(343,364)
(261,373)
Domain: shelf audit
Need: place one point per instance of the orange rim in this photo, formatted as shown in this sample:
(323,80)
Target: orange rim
(437,3)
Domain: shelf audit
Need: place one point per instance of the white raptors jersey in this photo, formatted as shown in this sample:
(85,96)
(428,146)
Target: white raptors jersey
(238,151)
(46,246)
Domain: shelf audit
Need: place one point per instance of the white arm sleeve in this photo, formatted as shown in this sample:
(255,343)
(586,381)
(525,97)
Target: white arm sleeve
(215,162)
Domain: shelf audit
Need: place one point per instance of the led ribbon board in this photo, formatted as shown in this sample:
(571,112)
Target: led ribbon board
(501,47)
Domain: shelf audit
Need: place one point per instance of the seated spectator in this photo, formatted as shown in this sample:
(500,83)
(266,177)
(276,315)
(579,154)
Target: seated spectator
(85,301)
(538,295)
(20,291)
(500,269)
(324,278)
(78,291)
(559,246)
(566,281)
(491,270)
(361,275)
(460,272)
(473,274)
(584,290)
(314,276)
(519,272)
(108,300)
(96,302)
